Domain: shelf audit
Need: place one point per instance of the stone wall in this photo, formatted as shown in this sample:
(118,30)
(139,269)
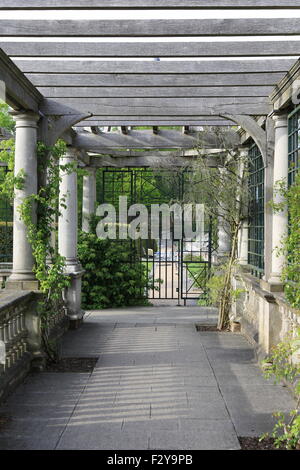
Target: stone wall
(265,317)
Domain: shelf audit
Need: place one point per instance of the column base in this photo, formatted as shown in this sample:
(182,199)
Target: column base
(17,284)
(272,285)
(75,324)
(73,294)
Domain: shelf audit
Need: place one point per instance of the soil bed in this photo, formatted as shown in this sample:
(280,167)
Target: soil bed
(73,364)
(201,327)
(253,443)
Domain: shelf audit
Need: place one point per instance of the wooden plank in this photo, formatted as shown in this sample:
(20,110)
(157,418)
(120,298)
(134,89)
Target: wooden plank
(152,49)
(144,162)
(20,93)
(146,139)
(161,80)
(145,4)
(151,28)
(160,106)
(205,121)
(153,67)
(154,92)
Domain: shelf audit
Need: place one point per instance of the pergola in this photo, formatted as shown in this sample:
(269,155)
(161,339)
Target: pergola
(224,83)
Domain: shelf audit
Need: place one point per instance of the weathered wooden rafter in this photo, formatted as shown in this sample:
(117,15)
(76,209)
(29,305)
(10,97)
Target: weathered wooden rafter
(153,67)
(151,28)
(146,139)
(20,93)
(147,4)
(152,49)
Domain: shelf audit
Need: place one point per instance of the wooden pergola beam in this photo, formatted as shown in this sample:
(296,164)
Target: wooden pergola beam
(20,92)
(156,80)
(145,4)
(153,67)
(205,121)
(155,92)
(147,140)
(151,28)
(155,49)
(146,162)
(159,107)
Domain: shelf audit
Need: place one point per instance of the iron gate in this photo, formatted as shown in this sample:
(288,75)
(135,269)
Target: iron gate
(175,268)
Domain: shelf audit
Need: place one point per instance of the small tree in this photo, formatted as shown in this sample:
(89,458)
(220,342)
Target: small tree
(223,188)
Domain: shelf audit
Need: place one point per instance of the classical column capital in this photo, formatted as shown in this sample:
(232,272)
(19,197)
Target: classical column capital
(71,153)
(90,169)
(25,118)
(280,119)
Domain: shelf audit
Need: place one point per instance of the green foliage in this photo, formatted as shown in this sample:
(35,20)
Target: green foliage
(291,242)
(280,366)
(49,264)
(114,275)
(215,286)
(6,121)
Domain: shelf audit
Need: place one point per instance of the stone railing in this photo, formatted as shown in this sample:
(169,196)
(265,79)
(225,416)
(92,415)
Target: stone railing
(265,317)
(20,333)
(5,271)
(14,334)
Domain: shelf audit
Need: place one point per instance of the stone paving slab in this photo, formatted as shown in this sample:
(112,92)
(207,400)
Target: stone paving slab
(158,384)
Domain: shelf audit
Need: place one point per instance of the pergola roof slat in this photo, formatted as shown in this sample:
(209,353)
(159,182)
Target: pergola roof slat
(205,121)
(145,4)
(152,49)
(144,80)
(154,92)
(151,28)
(161,106)
(148,67)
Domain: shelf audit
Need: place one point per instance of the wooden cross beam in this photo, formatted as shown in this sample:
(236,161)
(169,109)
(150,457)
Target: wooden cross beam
(145,4)
(152,49)
(151,28)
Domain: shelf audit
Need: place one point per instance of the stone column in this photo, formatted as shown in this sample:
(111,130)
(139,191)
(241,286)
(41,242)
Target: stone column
(22,276)
(224,236)
(224,239)
(243,232)
(280,219)
(67,235)
(88,198)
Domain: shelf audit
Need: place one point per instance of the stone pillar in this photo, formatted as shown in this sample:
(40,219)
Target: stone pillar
(224,236)
(243,232)
(88,198)
(67,235)
(280,219)
(22,276)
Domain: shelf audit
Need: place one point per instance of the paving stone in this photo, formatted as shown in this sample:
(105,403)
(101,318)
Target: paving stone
(188,440)
(158,384)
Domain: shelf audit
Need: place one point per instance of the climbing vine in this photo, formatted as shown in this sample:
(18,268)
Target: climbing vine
(49,265)
(39,213)
(281,367)
(290,245)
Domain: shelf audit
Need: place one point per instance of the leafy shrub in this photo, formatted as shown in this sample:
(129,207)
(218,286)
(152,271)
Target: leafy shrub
(290,244)
(281,367)
(215,286)
(114,275)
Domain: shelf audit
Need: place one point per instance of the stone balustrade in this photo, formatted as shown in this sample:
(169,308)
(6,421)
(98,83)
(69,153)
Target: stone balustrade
(20,332)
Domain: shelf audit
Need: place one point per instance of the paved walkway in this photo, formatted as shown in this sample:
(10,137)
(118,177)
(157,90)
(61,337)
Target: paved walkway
(158,384)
